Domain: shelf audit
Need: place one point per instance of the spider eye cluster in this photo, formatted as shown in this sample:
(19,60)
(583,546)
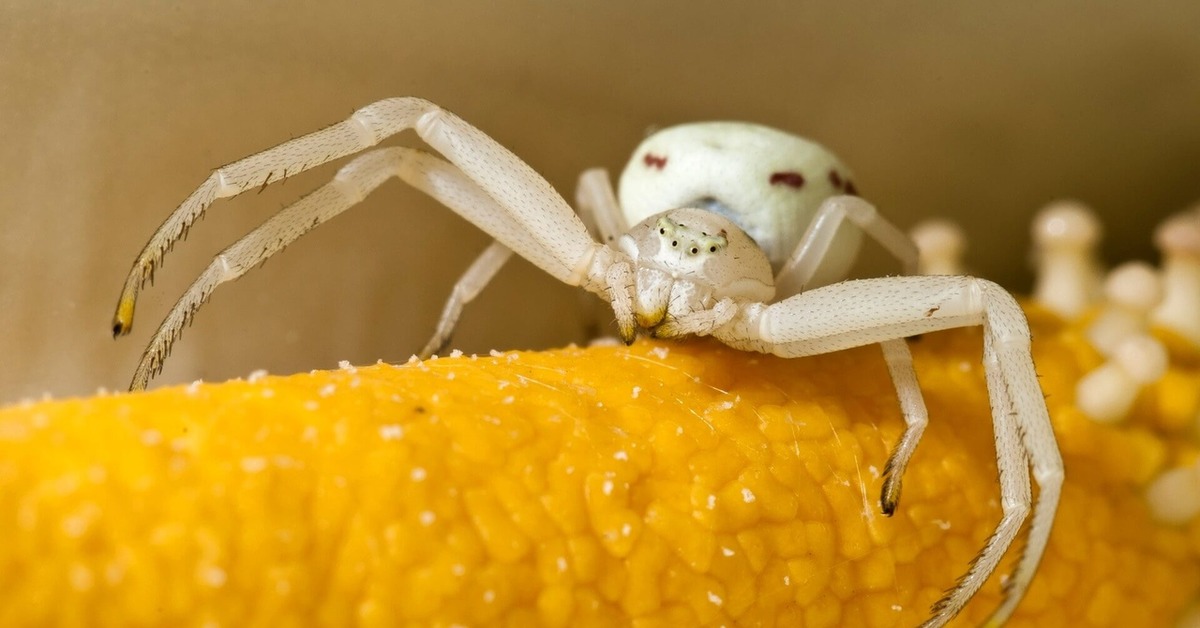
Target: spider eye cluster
(691,241)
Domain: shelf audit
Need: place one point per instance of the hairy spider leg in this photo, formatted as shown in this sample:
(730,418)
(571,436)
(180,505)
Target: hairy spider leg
(434,176)
(526,197)
(882,309)
(601,214)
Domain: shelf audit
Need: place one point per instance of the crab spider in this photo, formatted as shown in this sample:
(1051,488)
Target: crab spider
(688,266)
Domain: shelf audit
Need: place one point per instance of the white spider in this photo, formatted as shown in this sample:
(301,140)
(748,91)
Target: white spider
(689,270)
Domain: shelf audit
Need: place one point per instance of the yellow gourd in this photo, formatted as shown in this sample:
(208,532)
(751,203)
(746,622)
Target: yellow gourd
(663,484)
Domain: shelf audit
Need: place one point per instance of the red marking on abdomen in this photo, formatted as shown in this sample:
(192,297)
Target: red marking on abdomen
(850,189)
(654,161)
(790,179)
(835,179)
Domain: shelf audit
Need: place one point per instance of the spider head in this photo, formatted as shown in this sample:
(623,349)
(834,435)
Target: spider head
(701,251)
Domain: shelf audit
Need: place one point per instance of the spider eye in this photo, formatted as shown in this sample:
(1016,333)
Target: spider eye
(695,250)
(712,249)
(674,243)
(662,231)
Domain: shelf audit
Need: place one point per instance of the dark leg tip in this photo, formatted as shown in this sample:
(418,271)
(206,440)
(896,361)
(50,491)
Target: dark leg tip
(889,497)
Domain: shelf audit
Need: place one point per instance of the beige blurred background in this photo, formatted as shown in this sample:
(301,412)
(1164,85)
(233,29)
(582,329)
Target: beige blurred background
(111,113)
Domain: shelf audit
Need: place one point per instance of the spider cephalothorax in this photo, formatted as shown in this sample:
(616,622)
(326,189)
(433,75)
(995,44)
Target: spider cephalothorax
(688,260)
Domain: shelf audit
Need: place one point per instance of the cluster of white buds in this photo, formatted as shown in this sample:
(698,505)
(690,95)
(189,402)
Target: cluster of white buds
(1131,291)
(1121,332)
(1138,304)
(1127,304)
(1126,307)
(1107,392)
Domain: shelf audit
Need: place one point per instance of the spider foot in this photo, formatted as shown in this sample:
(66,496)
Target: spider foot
(893,482)
(889,496)
(667,329)
(123,318)
(435,346)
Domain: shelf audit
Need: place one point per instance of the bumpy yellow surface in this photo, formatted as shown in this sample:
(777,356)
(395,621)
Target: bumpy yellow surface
(658,485)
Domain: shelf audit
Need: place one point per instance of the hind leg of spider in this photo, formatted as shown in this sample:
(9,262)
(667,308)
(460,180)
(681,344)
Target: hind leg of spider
(803,266)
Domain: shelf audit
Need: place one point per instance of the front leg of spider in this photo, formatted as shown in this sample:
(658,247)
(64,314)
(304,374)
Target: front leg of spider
(480,180)
(855,313)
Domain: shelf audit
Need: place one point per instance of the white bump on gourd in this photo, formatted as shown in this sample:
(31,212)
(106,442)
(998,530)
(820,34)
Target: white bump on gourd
(1131,292)
(1065,237)
(940,244)
(1178,239)
(1107,392)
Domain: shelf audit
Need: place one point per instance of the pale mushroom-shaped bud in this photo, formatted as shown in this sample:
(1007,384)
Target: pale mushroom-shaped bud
(1179,241)
(1131,291)
(1174,496)
(1065,236)
(940,246)
(1107,393)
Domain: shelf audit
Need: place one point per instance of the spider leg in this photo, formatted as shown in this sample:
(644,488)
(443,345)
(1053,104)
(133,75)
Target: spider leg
(352,183)
(1015,491)
(798,272)
(526,197)
(1010,354)
(548,222)
(916,416)
(365,128)
(598,206)
(474,280)
(698,323)
(827,319)
(601,214)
